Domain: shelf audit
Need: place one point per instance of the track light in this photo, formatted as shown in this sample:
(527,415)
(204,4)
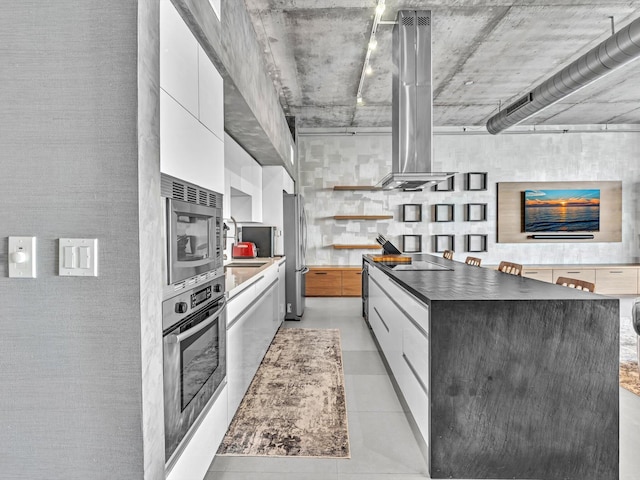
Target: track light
(373,43)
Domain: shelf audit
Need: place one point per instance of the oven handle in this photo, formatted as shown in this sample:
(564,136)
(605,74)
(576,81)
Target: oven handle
(201,326)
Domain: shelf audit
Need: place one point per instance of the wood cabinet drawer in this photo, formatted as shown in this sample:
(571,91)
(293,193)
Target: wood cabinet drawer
(620,281)
(588,275)
(544,275)
(351,283)
(323,283)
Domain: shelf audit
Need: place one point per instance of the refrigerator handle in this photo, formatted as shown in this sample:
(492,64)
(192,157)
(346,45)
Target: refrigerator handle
(304,234)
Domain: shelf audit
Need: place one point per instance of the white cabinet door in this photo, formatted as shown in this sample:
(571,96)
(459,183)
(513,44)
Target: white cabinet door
(400,323)
(211,97)
(281,292)
(178,58)
(187,149)
(198,453)
(248,337)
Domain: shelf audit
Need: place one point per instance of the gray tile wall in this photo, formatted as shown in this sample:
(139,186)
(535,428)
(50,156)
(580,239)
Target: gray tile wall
(71,353)
(363,159)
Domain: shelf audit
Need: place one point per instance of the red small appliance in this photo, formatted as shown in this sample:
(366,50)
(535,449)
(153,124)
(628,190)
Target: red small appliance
(244,250)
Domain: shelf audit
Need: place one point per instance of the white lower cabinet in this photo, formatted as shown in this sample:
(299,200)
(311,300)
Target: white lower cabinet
(250,331)
(281,292)
(198,454)
(400,323)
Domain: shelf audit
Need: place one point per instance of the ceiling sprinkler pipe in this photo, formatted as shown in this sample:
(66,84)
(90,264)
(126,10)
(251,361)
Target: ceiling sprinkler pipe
(616,51)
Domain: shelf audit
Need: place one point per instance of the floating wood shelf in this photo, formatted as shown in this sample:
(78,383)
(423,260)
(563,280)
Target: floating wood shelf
(361,247)
(356,187)
(362,217)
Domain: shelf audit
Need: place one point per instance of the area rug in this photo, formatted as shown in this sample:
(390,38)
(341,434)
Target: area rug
(295,405)
(629,378)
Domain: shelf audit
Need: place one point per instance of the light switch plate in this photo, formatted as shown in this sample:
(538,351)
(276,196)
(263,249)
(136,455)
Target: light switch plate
(22,257)
(78,257)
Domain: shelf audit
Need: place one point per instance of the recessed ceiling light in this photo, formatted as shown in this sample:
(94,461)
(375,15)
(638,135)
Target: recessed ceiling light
(369,70)
(468,82)
(359,100)
(373,44)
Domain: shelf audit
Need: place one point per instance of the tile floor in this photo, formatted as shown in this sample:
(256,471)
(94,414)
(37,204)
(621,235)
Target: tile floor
(382,444)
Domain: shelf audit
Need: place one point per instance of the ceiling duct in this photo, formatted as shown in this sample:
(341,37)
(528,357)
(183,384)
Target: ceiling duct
(616,51)
(412,107)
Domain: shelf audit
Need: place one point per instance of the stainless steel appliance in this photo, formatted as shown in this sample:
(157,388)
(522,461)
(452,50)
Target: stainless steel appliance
(194,230)
(195,367)
(263,236)
(295,249)
(412,105)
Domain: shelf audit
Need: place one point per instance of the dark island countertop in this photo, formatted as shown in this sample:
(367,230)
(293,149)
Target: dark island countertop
(522,375)
(465,282)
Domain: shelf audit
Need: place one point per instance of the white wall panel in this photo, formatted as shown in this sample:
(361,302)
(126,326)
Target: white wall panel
(329,160)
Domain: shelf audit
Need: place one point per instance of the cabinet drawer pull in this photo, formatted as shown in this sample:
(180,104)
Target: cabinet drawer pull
(380,317)
(421,330)
(575,272)
(615,271)
(531,272)
(319,273)
(415,374)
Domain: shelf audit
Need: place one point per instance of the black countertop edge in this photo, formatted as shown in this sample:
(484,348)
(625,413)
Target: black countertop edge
(469,283)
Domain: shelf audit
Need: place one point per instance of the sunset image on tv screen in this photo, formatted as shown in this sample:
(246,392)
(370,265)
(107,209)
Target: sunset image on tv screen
(562,210)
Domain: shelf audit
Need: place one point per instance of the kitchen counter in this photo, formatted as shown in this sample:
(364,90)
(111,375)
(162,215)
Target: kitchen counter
(237,278)
(516,378)
(466,282)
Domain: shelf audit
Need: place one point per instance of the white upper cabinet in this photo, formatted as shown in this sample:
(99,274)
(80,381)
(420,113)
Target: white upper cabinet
(178,58)
(191,106)
(211,101)
(187,149)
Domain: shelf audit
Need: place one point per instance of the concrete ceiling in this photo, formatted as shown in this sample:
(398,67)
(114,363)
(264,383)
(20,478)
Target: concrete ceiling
(314,51)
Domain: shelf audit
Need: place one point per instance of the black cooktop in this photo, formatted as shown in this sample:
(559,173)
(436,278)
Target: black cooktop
(418,265)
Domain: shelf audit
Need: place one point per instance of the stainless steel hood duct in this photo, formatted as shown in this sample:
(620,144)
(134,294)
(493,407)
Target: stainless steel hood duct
(412,108)
(614,52)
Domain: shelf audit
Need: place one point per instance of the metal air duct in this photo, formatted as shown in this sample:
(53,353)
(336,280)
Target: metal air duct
(617,50)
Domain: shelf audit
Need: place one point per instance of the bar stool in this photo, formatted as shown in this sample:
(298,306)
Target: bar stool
(510,268)
(475,261)
(448,254)
(575,283)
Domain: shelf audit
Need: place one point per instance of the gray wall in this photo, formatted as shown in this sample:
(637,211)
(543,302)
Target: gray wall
(328,160)
(71,351)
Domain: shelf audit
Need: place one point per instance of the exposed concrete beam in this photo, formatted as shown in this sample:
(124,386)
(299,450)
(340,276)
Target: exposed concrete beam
(253,115)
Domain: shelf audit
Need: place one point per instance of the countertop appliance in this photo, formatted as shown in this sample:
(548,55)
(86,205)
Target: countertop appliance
(194,358)
(194,231)
(295,249)
(244,250)
(264,236)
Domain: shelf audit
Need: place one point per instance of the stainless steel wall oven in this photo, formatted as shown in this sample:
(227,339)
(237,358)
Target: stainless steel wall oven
(194,331)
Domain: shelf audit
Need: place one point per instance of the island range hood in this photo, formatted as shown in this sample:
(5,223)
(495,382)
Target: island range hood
(412,106)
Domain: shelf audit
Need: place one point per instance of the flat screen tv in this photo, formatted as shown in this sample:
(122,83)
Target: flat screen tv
(562,210)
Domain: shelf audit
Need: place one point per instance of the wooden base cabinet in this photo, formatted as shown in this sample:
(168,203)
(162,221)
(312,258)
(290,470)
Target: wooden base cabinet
(621,279)
(333,281)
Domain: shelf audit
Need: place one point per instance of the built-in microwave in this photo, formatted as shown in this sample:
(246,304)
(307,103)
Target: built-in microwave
(194,230)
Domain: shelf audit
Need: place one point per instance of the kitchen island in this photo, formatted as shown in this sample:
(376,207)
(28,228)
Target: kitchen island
(503,376)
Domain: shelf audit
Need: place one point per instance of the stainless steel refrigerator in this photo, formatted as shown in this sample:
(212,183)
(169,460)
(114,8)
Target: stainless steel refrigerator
(295,247)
